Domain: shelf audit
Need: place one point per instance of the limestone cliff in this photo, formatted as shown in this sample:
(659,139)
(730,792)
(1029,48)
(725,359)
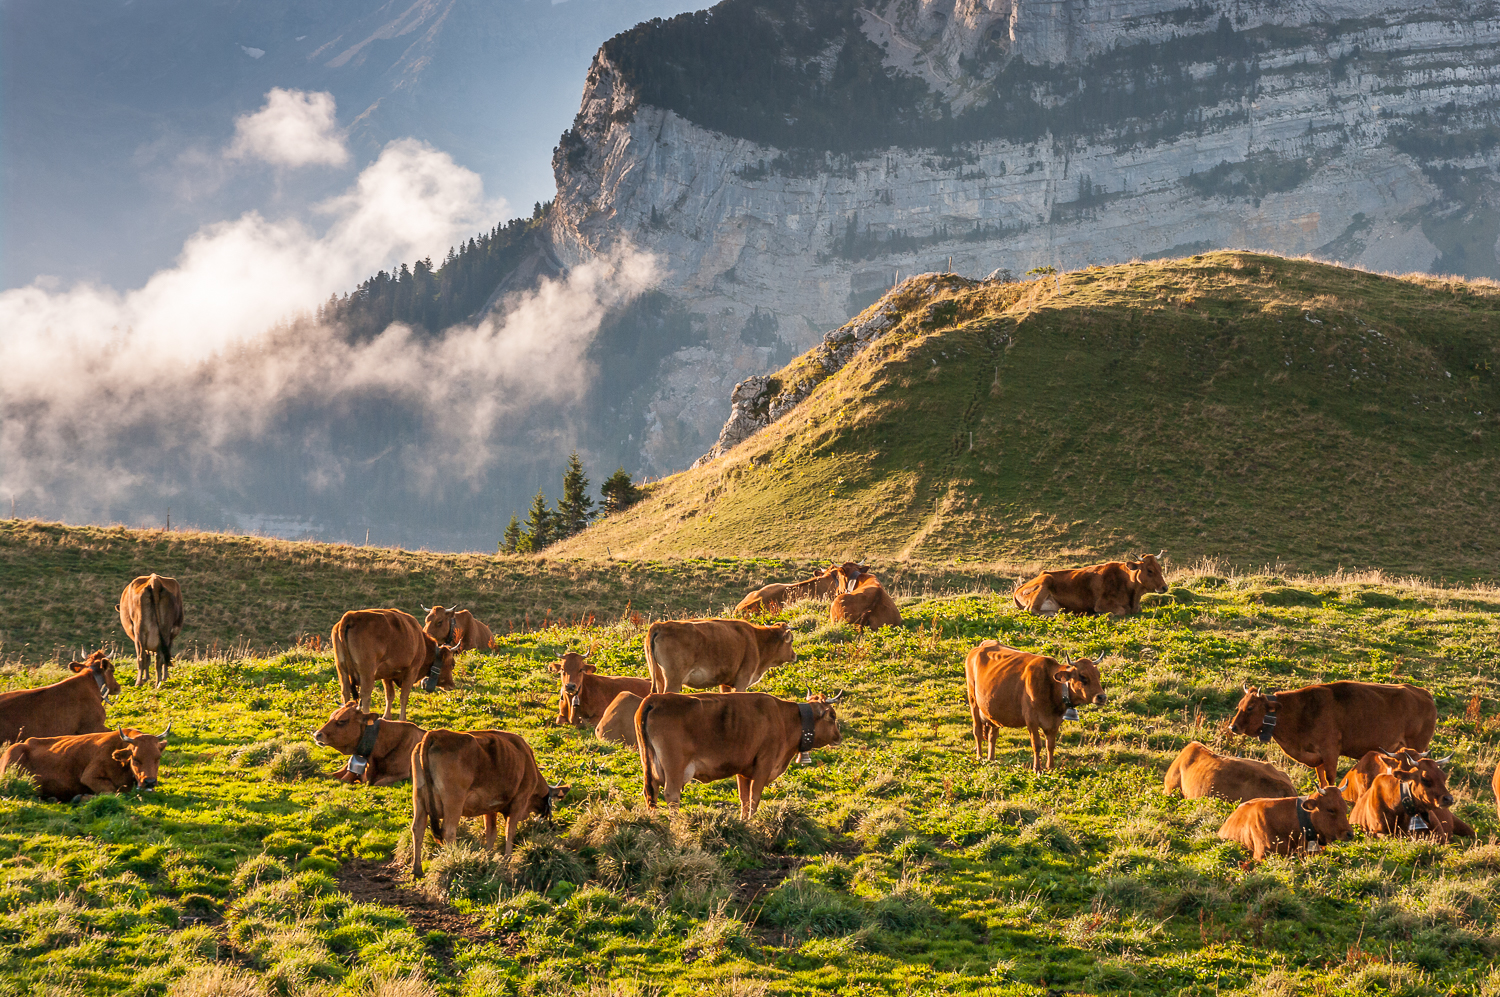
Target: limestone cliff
(788,162)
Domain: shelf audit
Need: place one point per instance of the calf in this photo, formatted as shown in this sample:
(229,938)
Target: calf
(618,722)
(83,764)
(1011,688)
(701,654)
(1317,723)
(1114,587)
(457,628)
(379,750)
(388,646)
(1198,771)
(73,706)
(1287,825)
(458,774)
(862,600)
(749,735)
(1404,792)
(775,597)
(587,694)
(151,612)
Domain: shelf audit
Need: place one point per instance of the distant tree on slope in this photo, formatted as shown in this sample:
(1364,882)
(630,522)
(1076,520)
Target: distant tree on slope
(619,492)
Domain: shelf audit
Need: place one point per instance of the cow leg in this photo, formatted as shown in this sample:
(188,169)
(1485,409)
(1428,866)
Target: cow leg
(730,688)
(95,778)
(1036,748)
(142,669)
(993,733)
(390,697)
(979,731)
(1038,600)
(366,693)
(490,826)
(163,665)
(418,823)
(511,823)
(405,692)
(1051,746)
(744,784)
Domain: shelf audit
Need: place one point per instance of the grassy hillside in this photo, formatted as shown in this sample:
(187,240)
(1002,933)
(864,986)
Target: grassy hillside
(1235,404)
(895,865)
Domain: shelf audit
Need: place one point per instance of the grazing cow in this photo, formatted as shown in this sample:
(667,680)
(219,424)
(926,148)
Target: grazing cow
(862,600)
(458,774)
(1287,825)
(1403,792)
(701,654)
(151,612)
(1318,723)
(84,764)
(379,750)
(618,722)
(73,706)
(587,694)
(777,596)
(1114,587)
(1198,771)
(457,628)
(749,735)
(388,646)
(1011,688)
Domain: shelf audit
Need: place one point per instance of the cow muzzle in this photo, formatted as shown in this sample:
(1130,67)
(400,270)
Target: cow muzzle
(147,785)
(570,688)
(1448,800)
(1100,699)
(319,740)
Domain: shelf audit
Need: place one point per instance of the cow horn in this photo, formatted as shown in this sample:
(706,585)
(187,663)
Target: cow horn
(425,609)
(1444,761)
(162,737)
(1067,659)
(837,697)
(1245,685)
(1161,555)
(126,737)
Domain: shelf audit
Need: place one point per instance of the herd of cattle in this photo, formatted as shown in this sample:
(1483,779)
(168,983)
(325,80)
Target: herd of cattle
(58,732)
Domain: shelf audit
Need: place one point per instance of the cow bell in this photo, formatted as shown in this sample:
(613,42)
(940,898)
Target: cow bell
(1071,713)
(358,764)
(1313,847)
(805,758)
(1417,823)
(1267,728)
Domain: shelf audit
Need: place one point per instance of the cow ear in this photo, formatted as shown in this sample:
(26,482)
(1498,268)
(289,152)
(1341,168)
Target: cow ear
(590,668)
(554,666)
(121,755)
(77,666)
(1064,673)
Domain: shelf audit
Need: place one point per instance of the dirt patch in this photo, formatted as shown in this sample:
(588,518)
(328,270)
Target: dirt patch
(751,885)
(380,883)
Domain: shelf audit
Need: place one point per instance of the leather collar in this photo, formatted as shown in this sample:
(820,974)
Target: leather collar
(367,738)
(1267,728)
(1304,821)
(809,719)
(98,674)
(430,683)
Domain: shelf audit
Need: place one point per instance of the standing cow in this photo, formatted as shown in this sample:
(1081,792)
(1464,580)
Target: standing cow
(73,706)
(1318,723)
(84,764)
(701,654)
(777,596)
(151,612)
(388,646)
(1114,587)
(481,773)
(1288,825)
(458,628)
(1011,688)
(862,600)
(1198,771)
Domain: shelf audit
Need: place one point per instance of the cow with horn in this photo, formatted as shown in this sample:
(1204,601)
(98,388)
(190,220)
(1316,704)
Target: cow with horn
(1011,688)
(457,628)
(67,768)
(1114,587)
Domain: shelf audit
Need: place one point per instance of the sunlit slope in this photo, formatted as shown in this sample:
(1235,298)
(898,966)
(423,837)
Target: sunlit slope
(1234,404)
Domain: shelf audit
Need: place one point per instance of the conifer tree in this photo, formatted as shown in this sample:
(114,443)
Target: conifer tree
(512,542)
(538,525)
(619,491)
(575,509)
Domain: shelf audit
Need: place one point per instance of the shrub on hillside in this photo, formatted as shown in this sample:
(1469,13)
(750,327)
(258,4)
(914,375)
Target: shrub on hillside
(542,861)
(688,880)
(257,752)
(293,762)
(716,829)
(788,826)
(465,869)
(256,870)
(219,980)
(803,906)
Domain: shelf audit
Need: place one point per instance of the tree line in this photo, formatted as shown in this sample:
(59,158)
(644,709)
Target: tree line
(573,512)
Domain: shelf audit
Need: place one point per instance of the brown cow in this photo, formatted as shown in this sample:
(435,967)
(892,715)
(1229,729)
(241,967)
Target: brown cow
(1405,791)
(458,774)
(1198,771)
(83,764)
(777,596)
(618,722)
(1114,587)
(1318,723)
(1284,826)
(749,735)
(701,654)
(457,627)
(379,750)
(388,646)
(1011,688)
(862,600)
(151,612)
(73,706)
(1495,788)
(587,694)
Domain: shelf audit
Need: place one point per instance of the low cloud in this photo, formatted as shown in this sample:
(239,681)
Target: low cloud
(294,128)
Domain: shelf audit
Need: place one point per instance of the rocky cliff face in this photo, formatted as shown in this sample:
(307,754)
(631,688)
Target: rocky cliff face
(1014,134)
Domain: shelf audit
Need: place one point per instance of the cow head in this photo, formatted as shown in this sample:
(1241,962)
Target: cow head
(1424,776)
(849,574)
(343,729)
(544,804)
(442,661)
(1148,573)
(103,671)
(572,667)
(776,646)
(1251,713)
(1328,813)
(1083,681)
(439,624)
(825,719)
(142,755)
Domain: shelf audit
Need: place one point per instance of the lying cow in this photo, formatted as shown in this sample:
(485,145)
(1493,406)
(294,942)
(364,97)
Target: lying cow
(457,628)
(1409,797)
(73,706)
(1289,825)
(1198,771)
(701,654)
(749,735)
(488,773)
(1114,587)
(862,600)
(151,612)
(84,764)
(587,694)
(777,596)
(1011,688)
(618,722)
(379,750)
(388,646)
(1317,723)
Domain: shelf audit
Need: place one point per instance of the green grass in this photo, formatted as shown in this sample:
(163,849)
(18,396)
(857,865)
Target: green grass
(894,865)
(1232,404)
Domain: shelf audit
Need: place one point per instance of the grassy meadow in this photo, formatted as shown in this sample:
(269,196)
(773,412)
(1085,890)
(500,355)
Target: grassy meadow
(896,864)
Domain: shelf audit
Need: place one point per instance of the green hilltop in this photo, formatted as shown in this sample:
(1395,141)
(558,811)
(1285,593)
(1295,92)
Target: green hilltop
(1231,404)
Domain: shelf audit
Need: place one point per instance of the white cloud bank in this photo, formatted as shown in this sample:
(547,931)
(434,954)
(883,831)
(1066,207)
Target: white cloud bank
(295,128)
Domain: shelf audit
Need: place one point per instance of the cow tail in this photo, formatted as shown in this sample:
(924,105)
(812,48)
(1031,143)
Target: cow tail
(342,663)
(651,666)
(433,817)
(645,743)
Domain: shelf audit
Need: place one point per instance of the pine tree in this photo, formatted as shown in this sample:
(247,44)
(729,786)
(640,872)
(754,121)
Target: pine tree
(575,509)
(619,492)
(538,525)
(512,542)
